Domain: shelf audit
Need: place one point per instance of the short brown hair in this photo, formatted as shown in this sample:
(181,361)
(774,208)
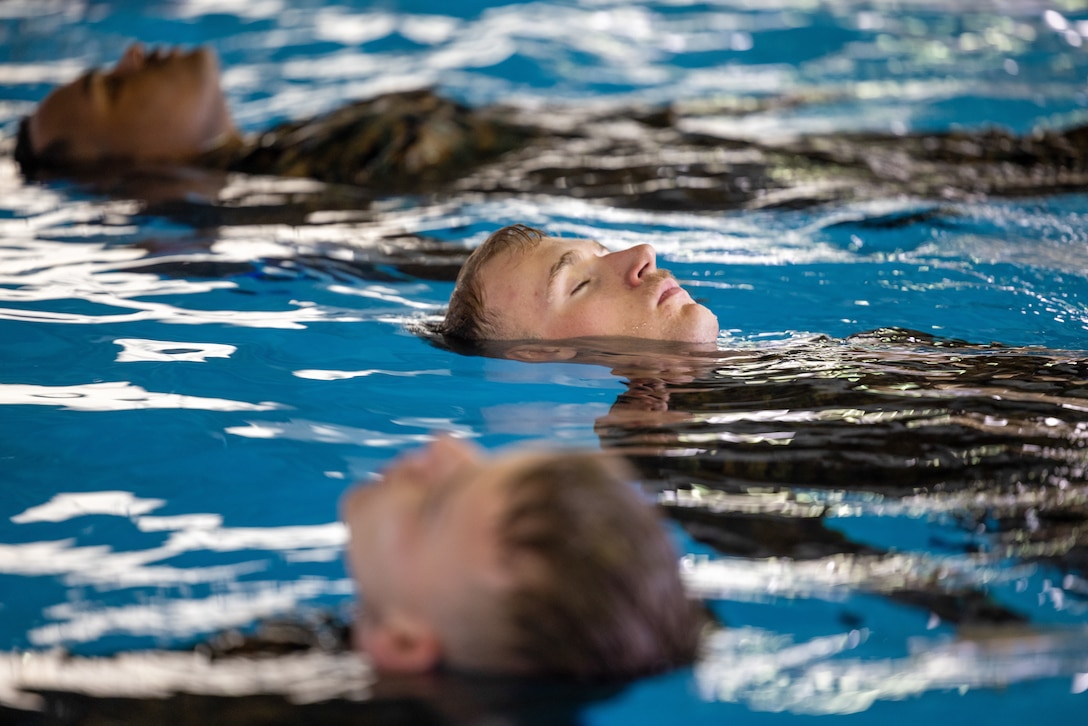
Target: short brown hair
(467,317)
(597,593)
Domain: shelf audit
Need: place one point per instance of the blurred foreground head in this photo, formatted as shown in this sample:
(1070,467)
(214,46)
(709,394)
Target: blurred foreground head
(153,106)
(542,563)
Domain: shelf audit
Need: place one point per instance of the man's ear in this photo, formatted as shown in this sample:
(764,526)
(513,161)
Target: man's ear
(402,644)
(540,353)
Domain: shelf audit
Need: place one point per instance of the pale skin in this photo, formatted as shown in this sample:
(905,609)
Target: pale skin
(571,288)
(424,554)
(157,106)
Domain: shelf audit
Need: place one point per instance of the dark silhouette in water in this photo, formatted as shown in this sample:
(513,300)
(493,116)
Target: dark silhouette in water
(437,700)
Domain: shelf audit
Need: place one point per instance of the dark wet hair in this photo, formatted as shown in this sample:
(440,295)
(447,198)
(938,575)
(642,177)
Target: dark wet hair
(597,593)
(468,317)
(55,155)
(434,333)
(24,149)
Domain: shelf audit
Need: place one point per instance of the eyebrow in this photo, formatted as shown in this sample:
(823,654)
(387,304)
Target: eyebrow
(566,260)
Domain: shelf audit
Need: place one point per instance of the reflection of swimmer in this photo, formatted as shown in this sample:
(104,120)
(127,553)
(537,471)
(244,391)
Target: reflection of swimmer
(988,437)
(757,450)
(168,107)
(529,563)
(521,284)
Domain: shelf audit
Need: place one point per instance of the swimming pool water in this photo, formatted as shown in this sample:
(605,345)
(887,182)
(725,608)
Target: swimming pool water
(183,403)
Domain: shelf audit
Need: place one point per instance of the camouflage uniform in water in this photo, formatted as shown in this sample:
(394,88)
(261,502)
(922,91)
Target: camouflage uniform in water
(400,142)
(752,451)
(647,160)
(638,157)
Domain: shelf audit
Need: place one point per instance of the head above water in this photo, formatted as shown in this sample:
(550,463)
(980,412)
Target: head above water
(521,284)
(157,106)
(532,562)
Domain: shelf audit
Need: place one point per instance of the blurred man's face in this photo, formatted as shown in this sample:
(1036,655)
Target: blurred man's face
(571,288)
(158,106)
(424,552)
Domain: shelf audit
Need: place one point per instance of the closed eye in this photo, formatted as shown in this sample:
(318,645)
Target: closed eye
(581,285)
(112,84)
(86,82)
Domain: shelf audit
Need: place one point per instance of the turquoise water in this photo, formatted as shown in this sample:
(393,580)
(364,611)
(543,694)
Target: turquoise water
(183,403)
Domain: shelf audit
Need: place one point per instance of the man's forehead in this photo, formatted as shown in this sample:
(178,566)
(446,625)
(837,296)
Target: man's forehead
(580,242)
(547,249)
(517,279)
(467,514)
(492,477)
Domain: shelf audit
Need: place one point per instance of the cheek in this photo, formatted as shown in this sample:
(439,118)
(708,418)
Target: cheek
(54,119)
(148,110)
(587,317)
(370,521)
(160,110)
(360,635)
(363,630)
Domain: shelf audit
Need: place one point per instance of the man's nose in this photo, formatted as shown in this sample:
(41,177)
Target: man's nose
(437,463)
(132,58)
(635,263)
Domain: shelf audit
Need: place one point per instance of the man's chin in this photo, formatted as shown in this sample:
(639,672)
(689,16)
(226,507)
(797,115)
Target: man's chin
(703,328)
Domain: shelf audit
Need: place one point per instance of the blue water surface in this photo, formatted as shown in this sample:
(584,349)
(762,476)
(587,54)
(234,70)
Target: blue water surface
(173,447)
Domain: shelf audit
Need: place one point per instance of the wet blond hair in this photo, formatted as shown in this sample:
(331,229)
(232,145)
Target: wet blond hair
(467,317)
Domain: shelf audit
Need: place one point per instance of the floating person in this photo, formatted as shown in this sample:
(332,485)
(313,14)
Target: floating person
(509,588)
(156,127)
(168,106)
(535,563)
(157,106)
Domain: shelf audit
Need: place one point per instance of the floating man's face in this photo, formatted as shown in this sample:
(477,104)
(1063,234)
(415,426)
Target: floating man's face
(158,106)
(571,288)
(424,553)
